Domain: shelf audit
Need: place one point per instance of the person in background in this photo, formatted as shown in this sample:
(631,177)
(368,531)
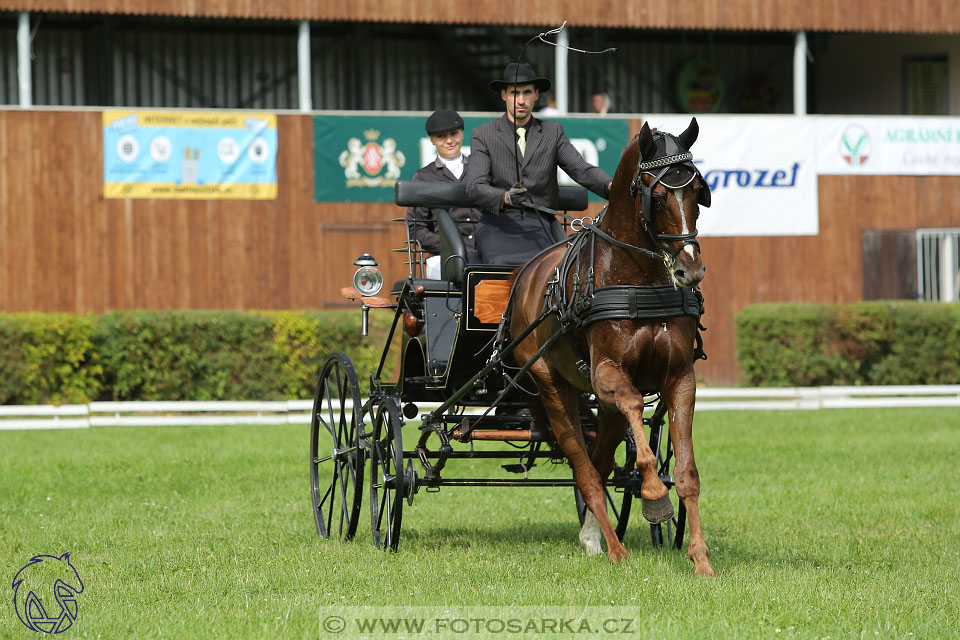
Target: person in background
(445,128)
(551,108)
(514,160)
(600,102)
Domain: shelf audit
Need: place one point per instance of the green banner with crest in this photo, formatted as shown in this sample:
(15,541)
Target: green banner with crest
(360,158)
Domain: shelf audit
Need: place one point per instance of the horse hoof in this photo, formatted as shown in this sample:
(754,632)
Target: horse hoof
(618,555)
(590,535)
(657,511)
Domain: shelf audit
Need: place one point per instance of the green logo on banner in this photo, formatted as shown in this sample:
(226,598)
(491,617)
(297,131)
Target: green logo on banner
(360,158)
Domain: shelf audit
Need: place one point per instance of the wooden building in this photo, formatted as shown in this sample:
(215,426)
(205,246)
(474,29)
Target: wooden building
(64,247)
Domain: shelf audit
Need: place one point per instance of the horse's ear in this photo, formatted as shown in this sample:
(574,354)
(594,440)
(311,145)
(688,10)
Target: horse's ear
(648,148)
(689,136)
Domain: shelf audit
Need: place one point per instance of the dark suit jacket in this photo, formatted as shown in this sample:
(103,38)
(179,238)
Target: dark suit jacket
(425,229)
(492,169)
(509,236)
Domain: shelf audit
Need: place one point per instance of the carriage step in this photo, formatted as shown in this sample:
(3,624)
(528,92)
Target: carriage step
(423,379)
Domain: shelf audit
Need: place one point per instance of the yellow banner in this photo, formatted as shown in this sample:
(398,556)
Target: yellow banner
(199,119)
(190,154)
(160,190)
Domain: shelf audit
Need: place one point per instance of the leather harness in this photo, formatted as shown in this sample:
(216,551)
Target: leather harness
(584,304)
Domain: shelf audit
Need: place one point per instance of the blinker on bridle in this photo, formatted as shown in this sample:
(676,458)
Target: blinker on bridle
(646,193)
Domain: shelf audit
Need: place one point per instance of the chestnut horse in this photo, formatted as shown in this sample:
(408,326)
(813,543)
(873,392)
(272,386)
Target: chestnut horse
(646,237)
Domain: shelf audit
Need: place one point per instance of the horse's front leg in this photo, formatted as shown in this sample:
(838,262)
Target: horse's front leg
(680,398)
(614,388)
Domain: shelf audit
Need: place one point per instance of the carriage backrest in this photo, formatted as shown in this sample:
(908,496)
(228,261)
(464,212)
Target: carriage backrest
(409,193)
(442,195)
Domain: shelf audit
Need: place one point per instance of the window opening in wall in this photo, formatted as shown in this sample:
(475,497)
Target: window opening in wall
(925,86)
(938,264)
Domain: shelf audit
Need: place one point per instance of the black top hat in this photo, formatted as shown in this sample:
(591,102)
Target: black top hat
(520,74)
(443,120)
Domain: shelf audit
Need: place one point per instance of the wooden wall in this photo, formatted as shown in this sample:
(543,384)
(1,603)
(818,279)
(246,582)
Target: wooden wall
(826,268)
(897,16)
(63,247)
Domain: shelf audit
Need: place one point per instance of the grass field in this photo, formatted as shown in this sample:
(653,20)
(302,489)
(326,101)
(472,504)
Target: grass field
(821,524)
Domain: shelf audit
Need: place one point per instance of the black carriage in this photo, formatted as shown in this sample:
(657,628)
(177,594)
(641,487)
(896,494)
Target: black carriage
(384,440)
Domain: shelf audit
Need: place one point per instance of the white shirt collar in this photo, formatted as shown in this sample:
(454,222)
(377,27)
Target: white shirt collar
(455,165)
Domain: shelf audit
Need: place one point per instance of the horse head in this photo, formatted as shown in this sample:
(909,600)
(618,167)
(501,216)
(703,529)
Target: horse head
(658,192)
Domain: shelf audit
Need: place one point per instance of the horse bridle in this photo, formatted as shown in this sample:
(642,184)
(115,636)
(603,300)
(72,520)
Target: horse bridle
(675,155)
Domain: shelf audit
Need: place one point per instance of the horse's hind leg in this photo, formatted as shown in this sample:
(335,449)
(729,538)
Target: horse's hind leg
(614,387)
(681,397)
(561,403)
(610,433)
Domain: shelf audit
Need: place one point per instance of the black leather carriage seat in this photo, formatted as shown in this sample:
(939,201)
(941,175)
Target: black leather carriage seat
(454,256)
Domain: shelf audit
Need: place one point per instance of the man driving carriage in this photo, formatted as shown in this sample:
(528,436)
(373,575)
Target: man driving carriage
(445,128)
(514,159)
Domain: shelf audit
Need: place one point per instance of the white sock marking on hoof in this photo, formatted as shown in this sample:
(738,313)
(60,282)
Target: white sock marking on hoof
(590,535)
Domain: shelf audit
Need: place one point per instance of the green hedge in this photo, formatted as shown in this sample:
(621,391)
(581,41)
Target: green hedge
(48,358)
(178,355)
(864,343)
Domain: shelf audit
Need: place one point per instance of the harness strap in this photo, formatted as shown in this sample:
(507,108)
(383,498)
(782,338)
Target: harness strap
(623,245)
(623,302)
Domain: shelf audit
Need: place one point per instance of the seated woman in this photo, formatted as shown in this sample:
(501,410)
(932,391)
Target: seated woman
(445,128)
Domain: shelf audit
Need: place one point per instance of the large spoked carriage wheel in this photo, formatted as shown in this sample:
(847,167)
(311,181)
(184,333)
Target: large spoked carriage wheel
(336,450)
(387,483)
(624,468)
(662,447)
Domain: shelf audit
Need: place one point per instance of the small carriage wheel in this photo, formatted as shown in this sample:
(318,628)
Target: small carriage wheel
(624,473)
(336,449)
(387,481)
(662,447)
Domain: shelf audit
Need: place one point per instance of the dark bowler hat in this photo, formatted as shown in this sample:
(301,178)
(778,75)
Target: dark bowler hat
(520,74)
(444,120)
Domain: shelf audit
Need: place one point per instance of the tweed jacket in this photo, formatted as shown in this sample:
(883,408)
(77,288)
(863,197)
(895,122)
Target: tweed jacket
(422,222)
(492,169)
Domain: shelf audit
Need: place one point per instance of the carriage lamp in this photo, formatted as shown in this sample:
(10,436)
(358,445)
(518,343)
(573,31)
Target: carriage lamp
(368,280)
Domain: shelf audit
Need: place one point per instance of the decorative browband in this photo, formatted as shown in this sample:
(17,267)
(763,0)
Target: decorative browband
(668,160)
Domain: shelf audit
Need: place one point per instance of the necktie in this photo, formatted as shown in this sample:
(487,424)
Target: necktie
(522,141)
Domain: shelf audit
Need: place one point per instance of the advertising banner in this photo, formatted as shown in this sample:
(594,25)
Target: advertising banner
(189,155)
(761,171)
(878,145)
(360,158)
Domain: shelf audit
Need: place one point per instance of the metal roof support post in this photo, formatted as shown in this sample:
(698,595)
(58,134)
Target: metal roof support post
(25,82)
(303,67)
(800,74)
(560,62)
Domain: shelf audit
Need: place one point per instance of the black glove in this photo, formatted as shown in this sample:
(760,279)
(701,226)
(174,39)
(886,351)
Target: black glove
(515,197)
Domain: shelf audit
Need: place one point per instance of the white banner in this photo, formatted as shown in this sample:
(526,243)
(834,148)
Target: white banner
(761,171)
(888,145)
